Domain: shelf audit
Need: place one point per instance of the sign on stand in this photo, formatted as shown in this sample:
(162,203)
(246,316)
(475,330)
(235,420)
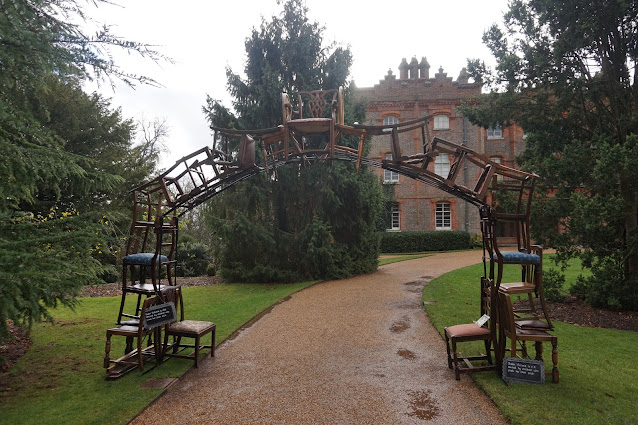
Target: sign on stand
(159,315)
(523,370)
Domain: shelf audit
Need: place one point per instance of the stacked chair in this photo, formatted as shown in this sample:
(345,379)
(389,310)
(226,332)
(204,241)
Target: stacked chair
(511,200)
(506,211)
(149,264)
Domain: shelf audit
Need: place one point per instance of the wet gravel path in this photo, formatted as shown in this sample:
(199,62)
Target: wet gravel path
(352,351)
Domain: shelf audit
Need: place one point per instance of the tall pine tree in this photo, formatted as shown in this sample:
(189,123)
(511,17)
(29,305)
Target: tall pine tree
(313,222)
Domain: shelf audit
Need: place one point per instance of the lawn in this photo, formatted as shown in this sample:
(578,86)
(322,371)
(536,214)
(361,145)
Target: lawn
(61,379)
(598,377)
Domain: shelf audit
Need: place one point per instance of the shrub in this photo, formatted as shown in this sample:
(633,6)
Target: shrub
(192,258)
(553,283)
(211,270)
(424,241)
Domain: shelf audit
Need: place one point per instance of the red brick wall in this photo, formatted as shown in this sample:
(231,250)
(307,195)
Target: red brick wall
(411,98)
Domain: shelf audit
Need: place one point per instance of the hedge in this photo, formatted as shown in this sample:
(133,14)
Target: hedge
(441,240)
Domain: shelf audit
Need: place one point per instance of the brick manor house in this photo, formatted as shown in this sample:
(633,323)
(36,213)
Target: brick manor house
(415,94)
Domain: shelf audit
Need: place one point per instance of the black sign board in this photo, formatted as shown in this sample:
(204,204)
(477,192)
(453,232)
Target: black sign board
(523,370)
(159,315)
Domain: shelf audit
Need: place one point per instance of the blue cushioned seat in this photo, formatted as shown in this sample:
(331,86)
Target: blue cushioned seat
(143,258)
(515,257)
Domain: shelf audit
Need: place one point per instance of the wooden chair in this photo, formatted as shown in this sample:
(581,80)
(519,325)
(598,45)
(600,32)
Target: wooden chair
(472,332)
(317,113)
(195,329)
(515,333)
(517,249)
(150,252)
(133,357)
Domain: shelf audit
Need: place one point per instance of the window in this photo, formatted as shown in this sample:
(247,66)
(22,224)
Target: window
(395,223)
(390,176)
(390,120)
(495,132)
(443,216)
(442,165)
(441,122)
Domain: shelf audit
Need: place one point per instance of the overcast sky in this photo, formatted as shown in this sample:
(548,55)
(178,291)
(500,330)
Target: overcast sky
(203,37)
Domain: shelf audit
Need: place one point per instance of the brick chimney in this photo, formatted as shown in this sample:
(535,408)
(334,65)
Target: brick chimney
(403,70)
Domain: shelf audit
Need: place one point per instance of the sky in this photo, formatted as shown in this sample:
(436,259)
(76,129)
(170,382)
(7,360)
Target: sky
(203,37)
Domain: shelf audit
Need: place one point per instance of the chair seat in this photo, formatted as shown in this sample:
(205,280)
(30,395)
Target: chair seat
(517,287)
(144,259)
(466,330)
(533,324)
(124,329)
(310,125)
(144,288)
(515,257)
(190,327)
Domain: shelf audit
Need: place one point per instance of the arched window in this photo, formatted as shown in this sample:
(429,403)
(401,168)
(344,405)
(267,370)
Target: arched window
(442,165)
(443,216)
(390,120)
(441,122)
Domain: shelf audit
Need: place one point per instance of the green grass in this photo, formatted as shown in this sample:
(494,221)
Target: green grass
(400,257)
(598,377)
(61,379)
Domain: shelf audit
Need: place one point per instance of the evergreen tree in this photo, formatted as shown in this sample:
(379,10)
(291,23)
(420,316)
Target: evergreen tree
(566,73)
(315,221)
(49,238)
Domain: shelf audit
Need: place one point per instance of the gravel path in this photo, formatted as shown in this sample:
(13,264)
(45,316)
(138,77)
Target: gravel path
(352,351)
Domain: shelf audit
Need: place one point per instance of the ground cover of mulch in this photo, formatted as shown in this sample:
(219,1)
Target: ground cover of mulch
(572,311)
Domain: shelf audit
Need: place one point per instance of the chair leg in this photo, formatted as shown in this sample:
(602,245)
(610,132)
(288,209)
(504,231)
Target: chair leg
(129,345)
(488,351)
(176,341)
(539,350)
(107,350)
(197,351)
(140,359)
(447,346)
(457,372)
(212,344)
(555,376)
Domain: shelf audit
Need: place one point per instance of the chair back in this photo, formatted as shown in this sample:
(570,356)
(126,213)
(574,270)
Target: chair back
(506,313)
(316,104)
(174,294)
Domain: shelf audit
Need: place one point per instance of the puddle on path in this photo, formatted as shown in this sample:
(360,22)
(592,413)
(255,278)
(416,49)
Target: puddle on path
(406,354)
(423,407)
(417,282)
(400,326)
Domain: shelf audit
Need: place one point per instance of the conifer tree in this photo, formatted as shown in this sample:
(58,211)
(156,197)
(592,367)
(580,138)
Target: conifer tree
(48,239)
(315,221)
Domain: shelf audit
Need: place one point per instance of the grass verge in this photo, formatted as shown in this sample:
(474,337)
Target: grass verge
(61,378)
(400,257)
(598,379)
